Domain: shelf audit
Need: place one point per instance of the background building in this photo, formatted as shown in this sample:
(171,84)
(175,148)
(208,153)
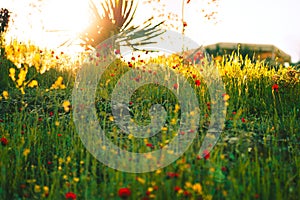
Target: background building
(266,52)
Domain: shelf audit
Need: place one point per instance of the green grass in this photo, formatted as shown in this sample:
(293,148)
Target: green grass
(256,157)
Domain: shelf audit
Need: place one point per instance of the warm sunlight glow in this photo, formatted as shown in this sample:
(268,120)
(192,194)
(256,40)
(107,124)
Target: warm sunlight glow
(48,23)
(65,15)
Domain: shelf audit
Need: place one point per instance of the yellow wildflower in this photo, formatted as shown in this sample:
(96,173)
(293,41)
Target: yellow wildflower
(22,90)
(188,185)
(197,188)
(68,159)
(46,189)
(226,97)
(36,61)
(173,121)
(111,118)
(26,152)
(66,104)
(60,161)
(212,170)
(33,83)
(5,94)
(164,128)
(177,107)
(12,73)
(62,86)
(58,84)
(75,179)
(22,76)
(142,181)
(130,136)
(37,188)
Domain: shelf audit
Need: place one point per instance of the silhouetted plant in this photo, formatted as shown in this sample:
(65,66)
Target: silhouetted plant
(4,19)
(116,18)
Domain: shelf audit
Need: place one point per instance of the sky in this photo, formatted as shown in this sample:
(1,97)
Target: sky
(50,22)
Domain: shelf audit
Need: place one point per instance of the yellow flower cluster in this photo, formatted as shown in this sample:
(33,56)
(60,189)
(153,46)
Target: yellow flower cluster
(20,82)
(5,95)
(26,152)
(33,83)
(22,76)
(12,74)
(29,55)
(288,75)
(58,84)
(66,105)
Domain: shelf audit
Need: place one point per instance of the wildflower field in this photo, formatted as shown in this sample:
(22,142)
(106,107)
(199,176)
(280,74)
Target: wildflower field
(42,156)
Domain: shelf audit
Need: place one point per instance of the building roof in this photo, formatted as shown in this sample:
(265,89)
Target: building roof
(254,47)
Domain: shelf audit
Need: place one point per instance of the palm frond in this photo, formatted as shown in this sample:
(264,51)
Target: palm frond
(115,19)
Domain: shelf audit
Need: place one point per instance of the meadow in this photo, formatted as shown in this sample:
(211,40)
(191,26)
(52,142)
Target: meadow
(42,156)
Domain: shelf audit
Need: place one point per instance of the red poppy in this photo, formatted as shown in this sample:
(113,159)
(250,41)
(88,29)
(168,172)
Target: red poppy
(175,86)
(117,51)
(172,175)
(186,193)
(124,192)
(206,154)
(197,82)
(275,87)
(148,193)
(51,113)
(150,145)
(70,195)
(243,120)
(177,188)
(224,169)
(4,141)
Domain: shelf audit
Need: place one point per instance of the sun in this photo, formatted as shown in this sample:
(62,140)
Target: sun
(48,23)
